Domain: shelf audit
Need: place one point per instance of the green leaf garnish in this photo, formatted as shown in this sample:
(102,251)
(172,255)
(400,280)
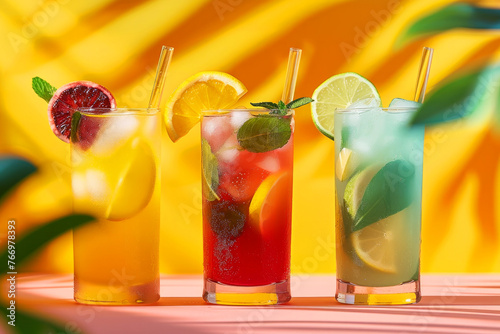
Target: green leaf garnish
(282,108)
(458,97)
(266,133)
(263,134)
(42,88)
(75,120)
(455,15)
(301,101)
(388,192)
(210,171)
(267,105)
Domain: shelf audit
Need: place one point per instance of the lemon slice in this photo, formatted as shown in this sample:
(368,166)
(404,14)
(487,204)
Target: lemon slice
(202,91)
(378,244)
(133,182)
(347,162)
(268,202)
(339,92)
(117,186)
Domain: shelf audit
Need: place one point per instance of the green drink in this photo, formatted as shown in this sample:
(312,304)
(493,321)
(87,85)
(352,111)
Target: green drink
(378,205)
(378,191)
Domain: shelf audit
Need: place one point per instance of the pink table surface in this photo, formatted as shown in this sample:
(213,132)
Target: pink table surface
(450,304)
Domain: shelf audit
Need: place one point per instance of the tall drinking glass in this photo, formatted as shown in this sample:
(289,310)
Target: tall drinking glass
(115,157)
(378,205)
(247,158)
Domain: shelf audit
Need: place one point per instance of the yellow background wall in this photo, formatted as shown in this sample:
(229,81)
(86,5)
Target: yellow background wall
(116,43)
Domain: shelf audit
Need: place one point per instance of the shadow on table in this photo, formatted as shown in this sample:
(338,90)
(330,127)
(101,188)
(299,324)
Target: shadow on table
(180,301)
(472,300)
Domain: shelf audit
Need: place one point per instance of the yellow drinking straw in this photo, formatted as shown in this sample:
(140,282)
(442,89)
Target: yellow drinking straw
(291,75)
(423,74)
(161,75)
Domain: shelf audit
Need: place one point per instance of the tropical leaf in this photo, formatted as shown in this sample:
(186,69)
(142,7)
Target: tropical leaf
(459,96)
(26,323)
(38,237)
(455,15)
(12,171)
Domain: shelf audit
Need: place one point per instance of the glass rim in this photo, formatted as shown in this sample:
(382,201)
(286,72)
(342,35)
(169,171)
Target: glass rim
(390,110)
(253,111)
(117,111)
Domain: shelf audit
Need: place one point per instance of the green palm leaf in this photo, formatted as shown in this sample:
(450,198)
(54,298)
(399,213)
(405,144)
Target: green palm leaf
(456,15)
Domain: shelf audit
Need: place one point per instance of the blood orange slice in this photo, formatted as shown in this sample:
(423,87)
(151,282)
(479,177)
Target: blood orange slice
(74,95)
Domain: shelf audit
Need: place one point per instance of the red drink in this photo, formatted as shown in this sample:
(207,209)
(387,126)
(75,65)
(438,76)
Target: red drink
(247,209)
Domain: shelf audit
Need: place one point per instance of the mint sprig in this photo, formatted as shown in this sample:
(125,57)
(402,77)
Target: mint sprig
(269,132)
(267,105)
(42,88)
(301,101)
(264,134)
(281,108)
(210,172)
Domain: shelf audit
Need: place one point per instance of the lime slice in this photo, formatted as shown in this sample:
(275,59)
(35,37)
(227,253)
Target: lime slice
(356,187)
(339,92)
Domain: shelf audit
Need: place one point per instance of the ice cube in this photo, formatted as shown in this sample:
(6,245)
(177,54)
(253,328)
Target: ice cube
(96,183)
(216,130)
(114,132)
(365,103)
(270,164)
(229,151)
(402,103)
(228,155)
(79,185)
(238,118)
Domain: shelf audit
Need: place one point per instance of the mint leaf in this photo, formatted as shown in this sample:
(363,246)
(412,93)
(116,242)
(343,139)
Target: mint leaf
(75,120)
(263,134)
(388,192)
(282,108)
(267,105)
(42,88)
(210,171)
(301,101)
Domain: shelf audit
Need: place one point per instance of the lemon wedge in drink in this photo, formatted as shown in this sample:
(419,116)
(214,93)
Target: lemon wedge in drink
(346,164)
(376,244)
(133,184)
(117,186)
(339,92)
(267,206)
(202,91)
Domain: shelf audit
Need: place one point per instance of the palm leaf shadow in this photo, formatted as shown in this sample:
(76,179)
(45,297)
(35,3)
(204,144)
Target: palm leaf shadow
(482,164)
